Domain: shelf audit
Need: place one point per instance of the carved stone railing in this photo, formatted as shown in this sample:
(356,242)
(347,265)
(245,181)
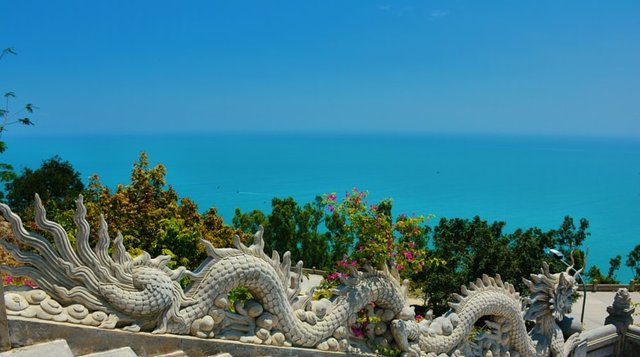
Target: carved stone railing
(89,287)
(618,337)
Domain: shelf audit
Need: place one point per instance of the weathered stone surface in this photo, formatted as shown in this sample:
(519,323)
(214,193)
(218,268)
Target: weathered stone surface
(621,311)
(118,352)
(83,340)
(58,348)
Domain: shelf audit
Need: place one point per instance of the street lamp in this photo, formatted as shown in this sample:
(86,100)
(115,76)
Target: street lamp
(556,254)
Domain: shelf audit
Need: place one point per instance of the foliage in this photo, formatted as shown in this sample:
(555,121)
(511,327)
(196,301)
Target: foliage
(614,265)
(595,276)
(633,261)
(368,327)
(475,247)
(471,248)
(58,185)
(56,181)
(7,118)
(569,239)
(18,281)
(249,222)
(239,294)
(347,231)
(151,218)
(292,228)
(375,238)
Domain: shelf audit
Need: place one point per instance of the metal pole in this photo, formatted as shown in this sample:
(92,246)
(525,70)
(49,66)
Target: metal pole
(584,298)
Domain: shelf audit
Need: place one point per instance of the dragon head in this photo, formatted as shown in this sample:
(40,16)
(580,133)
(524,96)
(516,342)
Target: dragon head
(551,294)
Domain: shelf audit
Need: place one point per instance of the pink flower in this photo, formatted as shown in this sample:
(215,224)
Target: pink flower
(357,332)
(330,208)
(408,255)
(8,280)
(400,267)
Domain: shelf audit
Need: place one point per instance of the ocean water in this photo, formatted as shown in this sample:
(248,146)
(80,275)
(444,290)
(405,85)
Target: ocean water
(525,181)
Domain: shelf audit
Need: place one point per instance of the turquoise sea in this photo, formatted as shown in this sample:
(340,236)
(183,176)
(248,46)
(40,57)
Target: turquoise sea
(525,181)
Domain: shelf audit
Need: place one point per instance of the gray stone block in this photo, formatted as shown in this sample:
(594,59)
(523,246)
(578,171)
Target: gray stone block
(118,352)
(57,348)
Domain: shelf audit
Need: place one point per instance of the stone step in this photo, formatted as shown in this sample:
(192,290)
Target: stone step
(57,348)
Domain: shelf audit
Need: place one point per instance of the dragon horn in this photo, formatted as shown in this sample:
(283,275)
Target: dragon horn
(573,263)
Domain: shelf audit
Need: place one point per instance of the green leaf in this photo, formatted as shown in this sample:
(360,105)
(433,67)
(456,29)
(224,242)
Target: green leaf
(6,51)
(9,94)
(25,121)
(30,107)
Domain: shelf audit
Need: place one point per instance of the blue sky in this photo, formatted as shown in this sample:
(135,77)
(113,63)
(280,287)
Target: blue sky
(534,67)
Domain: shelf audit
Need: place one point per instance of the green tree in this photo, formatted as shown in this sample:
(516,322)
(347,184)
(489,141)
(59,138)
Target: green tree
(249,222)
(527,251)
(218,233)
(595,275)
(151,217)
(313,248)
(470,248)
(633,261)
(614,265)
(57,183)
(569,239)
(291,228)
(281,234)
(475,247)
(374,238)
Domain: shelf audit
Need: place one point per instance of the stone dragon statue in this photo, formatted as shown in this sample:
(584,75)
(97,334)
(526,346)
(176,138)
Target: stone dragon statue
(89,286)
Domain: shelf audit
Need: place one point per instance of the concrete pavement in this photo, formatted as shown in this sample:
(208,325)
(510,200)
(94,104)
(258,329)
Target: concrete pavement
(595,311)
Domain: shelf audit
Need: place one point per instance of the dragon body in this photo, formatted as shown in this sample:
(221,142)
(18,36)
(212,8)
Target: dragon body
(142,293)
(505,309)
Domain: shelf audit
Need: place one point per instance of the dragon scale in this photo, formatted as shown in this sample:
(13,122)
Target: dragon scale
(142,293)
(487,297)
(262,281)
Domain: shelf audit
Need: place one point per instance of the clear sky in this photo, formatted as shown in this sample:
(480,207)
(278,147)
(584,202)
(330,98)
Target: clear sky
(553,67)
